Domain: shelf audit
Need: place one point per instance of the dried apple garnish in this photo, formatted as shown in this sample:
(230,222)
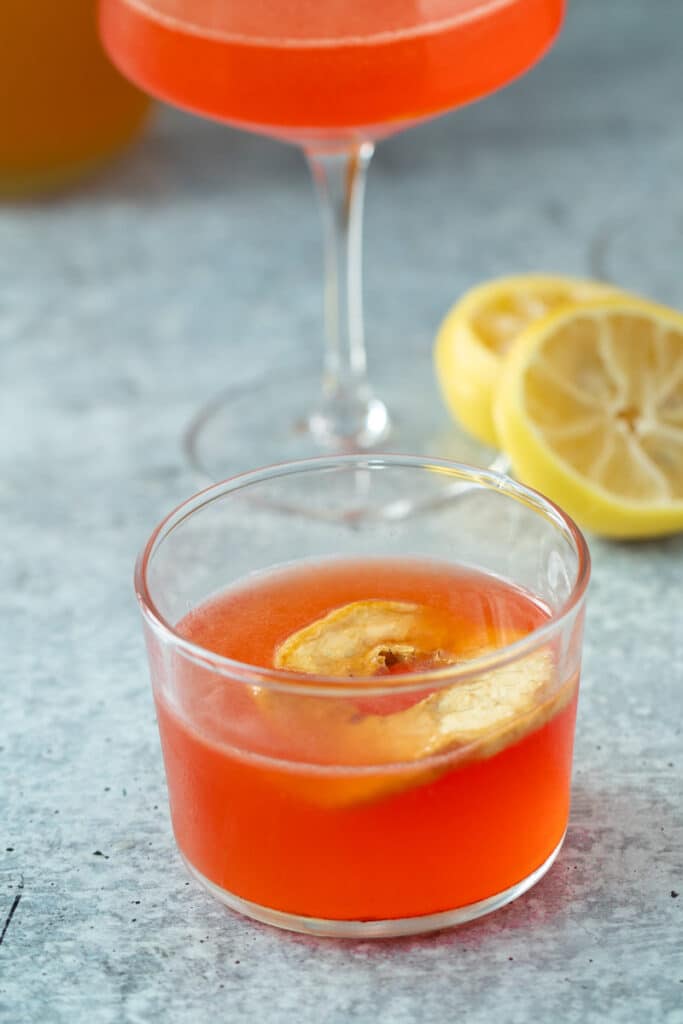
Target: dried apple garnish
(368,638)
(479,716)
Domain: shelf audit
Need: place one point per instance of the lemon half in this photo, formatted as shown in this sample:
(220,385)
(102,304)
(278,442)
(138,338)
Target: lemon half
(479,330)
(589,409)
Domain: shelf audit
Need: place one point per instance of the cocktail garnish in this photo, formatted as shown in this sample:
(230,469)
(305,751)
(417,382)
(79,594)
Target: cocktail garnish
(475,717)
(368,638)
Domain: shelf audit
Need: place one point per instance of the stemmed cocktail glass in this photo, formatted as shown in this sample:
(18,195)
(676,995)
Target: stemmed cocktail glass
(332,76)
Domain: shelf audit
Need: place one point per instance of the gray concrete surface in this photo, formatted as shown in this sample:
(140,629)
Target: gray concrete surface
(126,305)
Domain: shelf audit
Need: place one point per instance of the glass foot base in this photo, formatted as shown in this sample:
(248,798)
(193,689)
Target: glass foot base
(389,929)
(268,420)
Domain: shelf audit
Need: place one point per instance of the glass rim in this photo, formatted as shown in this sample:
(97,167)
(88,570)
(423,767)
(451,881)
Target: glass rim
(322,685)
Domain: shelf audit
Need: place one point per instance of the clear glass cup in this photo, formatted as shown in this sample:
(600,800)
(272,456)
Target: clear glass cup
(277,810)
(332,77)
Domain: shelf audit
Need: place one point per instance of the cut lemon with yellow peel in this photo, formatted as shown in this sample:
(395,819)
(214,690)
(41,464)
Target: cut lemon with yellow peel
(590,412)
(473,717)
(479,330)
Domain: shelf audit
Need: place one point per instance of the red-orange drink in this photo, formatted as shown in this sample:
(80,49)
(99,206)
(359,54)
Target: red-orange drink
(340,68)
(262,809)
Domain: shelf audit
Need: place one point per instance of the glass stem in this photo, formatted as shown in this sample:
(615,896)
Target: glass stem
(348,417)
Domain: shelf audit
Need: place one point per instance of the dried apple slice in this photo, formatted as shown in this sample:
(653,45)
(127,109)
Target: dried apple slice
(479,716)
(367,638)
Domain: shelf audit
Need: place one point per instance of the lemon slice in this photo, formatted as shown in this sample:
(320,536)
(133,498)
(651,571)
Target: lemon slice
(590,411)
(478,331)
(475,717)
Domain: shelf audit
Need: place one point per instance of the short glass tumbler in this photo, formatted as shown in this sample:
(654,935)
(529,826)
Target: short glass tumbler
(378,805)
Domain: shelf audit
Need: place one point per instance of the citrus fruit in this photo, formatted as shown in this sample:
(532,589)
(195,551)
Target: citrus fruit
(589,409)
(479,329)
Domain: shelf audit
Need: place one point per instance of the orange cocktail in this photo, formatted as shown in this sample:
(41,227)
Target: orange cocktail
(64,106)
(384,739)
(330,67)
(401,842)
(332,76)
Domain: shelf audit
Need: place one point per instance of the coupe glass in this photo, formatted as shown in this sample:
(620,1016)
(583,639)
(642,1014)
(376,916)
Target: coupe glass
(284,806)
(333,77)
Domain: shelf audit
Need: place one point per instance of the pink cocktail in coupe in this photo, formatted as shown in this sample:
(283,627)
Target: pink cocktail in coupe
(332,76)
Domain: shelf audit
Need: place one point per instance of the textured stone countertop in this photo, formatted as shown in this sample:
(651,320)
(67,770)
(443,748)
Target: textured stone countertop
(124,306)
